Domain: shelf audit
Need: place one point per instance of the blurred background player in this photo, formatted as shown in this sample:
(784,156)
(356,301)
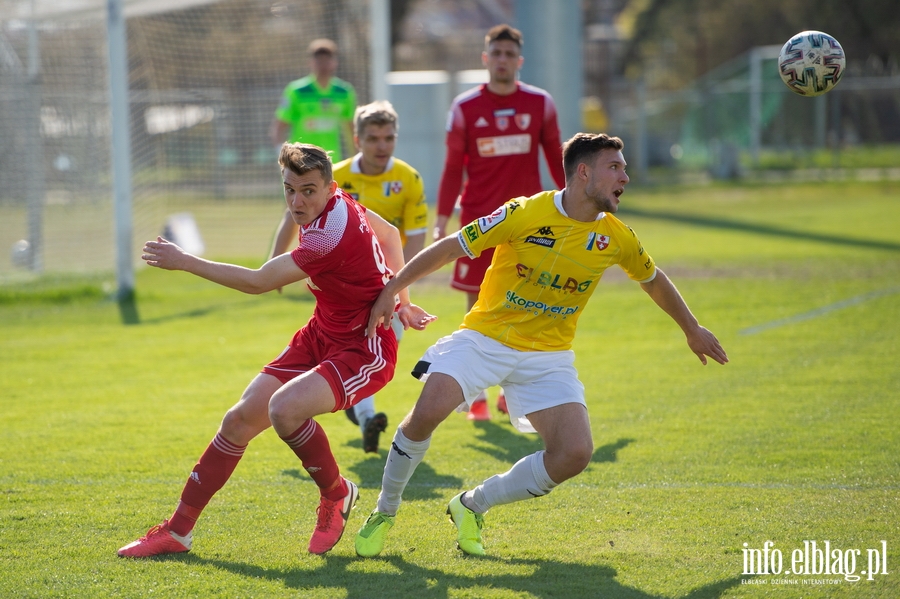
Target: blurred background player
(493,135)
(316,109)
(392,189)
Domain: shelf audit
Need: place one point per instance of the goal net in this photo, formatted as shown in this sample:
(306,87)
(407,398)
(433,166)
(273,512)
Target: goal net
(205,77)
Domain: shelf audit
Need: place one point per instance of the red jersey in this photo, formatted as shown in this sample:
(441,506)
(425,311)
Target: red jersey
(495,139)
(345,264)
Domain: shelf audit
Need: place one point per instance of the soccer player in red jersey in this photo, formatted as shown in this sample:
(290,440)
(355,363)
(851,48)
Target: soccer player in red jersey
(348,255)
(493,135)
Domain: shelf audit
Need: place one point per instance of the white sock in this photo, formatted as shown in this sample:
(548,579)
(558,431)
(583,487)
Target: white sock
(364,410)
(527,479)
(403,458)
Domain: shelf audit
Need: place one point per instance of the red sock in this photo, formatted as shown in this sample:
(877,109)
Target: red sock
(310,444)
(209,475)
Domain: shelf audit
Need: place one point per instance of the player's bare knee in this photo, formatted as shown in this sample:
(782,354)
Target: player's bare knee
(238,428)
(418,425)
(569,459)
(279,410)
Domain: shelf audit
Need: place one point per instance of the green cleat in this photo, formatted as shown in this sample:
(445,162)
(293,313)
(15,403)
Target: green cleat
(370,538)
(468,537)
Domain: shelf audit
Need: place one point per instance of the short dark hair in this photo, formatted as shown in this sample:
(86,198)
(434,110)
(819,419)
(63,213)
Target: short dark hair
(379,113)
(583,147)
(504,32)
(303,158)
(322,46)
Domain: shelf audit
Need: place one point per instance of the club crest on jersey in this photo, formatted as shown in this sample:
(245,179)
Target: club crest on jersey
(502,123)
(601,241)
(391,187)
(522,121)
(486,223)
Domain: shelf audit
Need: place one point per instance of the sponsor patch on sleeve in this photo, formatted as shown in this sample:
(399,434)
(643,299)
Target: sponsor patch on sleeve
(486,223)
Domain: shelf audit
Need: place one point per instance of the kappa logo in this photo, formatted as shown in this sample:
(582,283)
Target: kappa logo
(481,122)
(545,231)
(346,186)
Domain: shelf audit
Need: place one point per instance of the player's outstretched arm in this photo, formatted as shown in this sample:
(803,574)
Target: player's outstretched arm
(424,263)
(278,272)
(701,341)
(285,235)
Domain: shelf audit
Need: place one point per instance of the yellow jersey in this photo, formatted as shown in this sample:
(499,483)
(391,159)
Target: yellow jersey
(545,268)
(397,195)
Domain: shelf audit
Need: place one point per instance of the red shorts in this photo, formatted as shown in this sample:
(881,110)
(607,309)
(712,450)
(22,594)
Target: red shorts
(355,367)
(469,272)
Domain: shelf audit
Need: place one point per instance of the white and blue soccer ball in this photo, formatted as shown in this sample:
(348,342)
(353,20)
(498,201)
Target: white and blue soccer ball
(811,63)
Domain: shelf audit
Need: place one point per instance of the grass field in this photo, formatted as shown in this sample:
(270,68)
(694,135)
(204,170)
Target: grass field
(106,408)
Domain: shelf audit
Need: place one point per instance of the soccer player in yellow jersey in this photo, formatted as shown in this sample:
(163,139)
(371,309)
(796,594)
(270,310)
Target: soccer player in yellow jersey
(551,250)
(393,190)
(382,182)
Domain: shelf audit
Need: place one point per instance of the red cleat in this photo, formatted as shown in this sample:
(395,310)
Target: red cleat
(159,540)
(479,410)
(501,404)
(332,520)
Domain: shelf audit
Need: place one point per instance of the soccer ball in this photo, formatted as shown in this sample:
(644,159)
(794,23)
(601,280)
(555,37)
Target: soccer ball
(811,63)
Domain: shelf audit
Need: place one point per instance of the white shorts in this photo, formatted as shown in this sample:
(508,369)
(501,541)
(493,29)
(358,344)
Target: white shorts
(397,326)
(531,381)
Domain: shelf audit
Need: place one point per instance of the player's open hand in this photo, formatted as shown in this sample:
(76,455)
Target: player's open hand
(412,316)
(703,343)
(164,254)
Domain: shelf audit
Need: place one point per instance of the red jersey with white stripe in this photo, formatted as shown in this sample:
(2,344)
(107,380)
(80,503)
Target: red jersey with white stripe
(345,264)
(495,139)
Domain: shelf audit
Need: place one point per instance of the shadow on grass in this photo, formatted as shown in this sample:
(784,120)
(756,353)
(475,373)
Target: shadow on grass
(368,476)
(128,311)
(756,228)
(532,577)
(508,445)
(186,315)
(610,451)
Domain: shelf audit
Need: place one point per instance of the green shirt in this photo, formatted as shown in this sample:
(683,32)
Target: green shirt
(317,115)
